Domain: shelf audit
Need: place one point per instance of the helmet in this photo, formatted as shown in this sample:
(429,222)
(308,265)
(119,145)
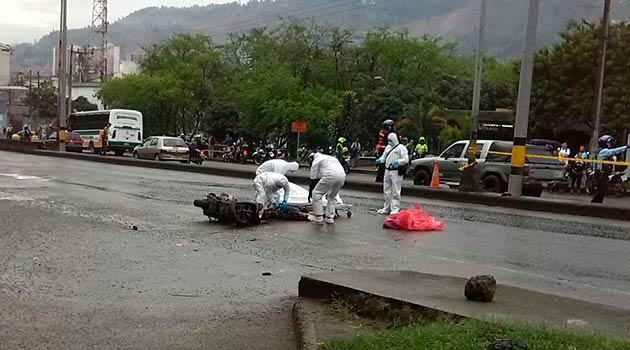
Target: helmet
(342,139)
(422,139)
(389,122)
(604,140)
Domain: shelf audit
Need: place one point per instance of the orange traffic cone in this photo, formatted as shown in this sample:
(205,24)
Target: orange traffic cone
(435,179)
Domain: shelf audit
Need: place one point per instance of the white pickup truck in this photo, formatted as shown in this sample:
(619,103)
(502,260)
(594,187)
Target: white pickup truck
(494,168)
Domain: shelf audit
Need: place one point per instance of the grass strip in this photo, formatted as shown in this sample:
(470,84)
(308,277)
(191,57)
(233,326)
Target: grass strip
(473,335)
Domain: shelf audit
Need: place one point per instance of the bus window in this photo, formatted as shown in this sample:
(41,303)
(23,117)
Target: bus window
(128,117)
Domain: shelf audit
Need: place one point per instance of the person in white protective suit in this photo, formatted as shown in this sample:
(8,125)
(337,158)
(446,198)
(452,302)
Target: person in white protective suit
(266,186)
(279,166)
(327,178)
(395,157)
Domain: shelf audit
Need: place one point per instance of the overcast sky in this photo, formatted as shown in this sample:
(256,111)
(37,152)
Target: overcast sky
(25,20)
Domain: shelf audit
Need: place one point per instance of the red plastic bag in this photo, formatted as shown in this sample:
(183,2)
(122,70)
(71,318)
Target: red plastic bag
(414,219)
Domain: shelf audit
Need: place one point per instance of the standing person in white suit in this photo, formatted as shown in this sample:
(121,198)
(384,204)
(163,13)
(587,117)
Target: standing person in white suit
(279,166)
(327,178)
(395,159)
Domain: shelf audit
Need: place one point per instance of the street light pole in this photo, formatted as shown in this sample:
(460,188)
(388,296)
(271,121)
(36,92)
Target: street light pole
(519,147)
(601,69)
(62,75)
(474,130)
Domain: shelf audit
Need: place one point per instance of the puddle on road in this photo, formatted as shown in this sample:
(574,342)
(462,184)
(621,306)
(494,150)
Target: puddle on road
(24,177)
(14,197)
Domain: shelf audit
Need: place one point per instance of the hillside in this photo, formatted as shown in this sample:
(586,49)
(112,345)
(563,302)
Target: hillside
(453,19)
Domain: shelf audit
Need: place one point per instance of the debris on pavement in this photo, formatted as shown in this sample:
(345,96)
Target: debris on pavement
(266,273)
(480,288)
(413,219)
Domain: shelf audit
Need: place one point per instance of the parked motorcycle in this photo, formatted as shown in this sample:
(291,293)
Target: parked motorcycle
(243,154)
(228,154)
(415,155)
(264,154)
(617,183)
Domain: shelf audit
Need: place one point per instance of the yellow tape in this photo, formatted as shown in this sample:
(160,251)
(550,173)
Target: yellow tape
(559,158)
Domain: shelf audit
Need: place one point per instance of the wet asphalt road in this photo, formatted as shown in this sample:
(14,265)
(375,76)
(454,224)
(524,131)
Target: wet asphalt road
(75,275)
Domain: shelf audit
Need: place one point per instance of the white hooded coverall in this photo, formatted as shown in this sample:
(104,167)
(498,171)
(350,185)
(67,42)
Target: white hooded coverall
(392,182)
(279,166)
(332,177)
(266,186)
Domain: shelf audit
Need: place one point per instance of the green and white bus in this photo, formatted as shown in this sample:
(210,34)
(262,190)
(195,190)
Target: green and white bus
(125,132)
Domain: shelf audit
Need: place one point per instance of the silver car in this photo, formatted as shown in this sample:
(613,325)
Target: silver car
(162,148)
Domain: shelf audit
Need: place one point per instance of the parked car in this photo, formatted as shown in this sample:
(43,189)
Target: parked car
(494,169)
(74,142)
(163,148)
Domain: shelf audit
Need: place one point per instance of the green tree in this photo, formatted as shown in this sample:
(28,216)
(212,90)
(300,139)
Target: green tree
(195,93)
(155,96)
(81,104)
(564,80)
(43,98)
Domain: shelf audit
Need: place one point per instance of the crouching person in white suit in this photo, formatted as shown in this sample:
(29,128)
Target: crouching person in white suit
(267,185)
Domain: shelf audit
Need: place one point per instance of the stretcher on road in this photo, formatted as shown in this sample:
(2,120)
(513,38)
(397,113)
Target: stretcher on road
(299,197)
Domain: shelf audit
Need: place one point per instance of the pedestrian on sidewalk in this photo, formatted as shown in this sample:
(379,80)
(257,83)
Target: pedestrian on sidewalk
(327,178)
(10,131)
(355,152)
(105,139)
(565,152)
(395,159)
(577,170)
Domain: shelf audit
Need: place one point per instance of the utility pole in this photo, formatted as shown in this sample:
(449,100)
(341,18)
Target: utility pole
(601,70)
(474,130)
(62,78)
(30,96)
(519,147)
(70,68)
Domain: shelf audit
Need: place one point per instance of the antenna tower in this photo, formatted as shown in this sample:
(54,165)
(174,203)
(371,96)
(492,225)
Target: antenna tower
(99,37)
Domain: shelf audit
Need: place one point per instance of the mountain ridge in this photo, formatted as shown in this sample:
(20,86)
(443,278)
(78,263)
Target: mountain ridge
(453,19)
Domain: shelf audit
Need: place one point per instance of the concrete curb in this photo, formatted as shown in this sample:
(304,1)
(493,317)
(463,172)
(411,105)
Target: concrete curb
(494,200)
(439,296)
(304,326)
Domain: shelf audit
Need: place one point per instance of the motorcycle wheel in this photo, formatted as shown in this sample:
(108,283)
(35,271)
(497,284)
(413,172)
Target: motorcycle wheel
(257,160)
(591,186)
(618,189)
(240,214)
